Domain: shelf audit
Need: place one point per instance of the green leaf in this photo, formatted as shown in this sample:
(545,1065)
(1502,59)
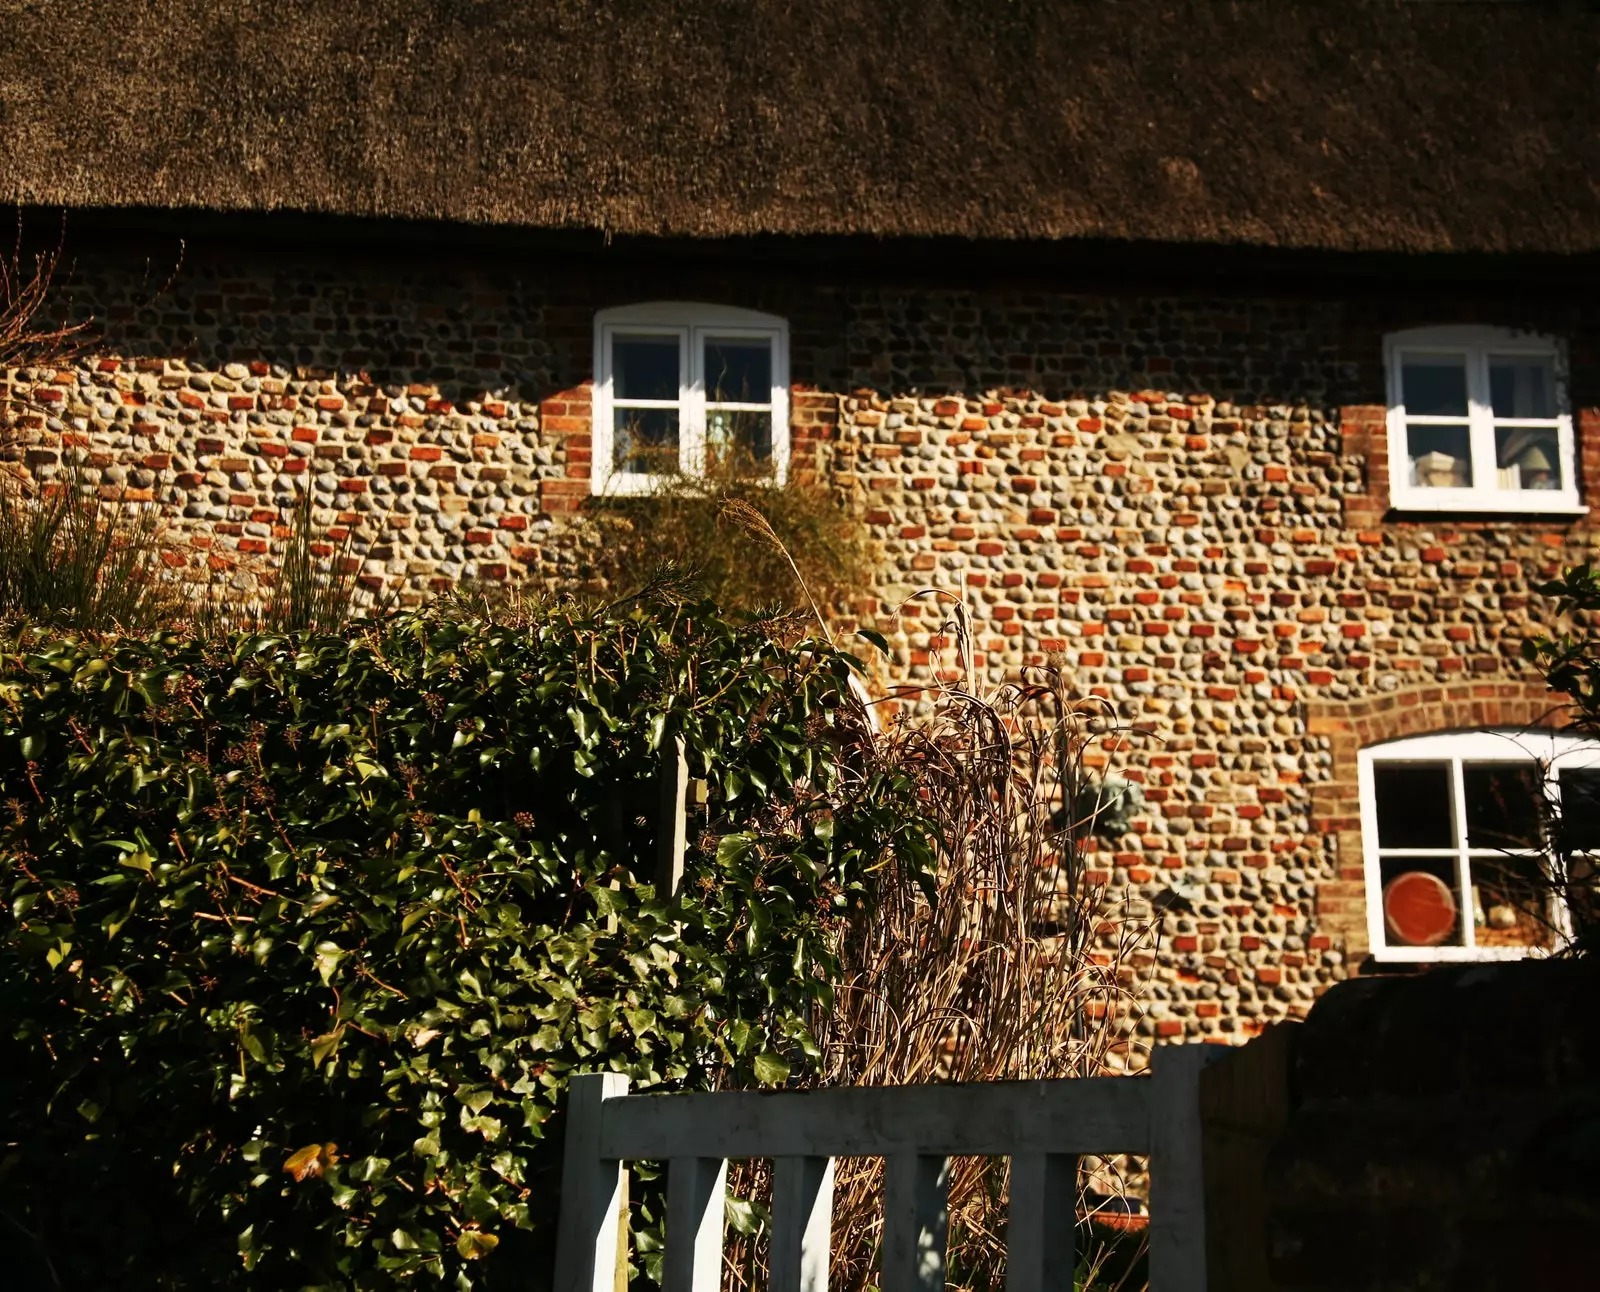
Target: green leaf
(771,1069)
(327,960)
(325,1046)
(474,1244)
(731,848)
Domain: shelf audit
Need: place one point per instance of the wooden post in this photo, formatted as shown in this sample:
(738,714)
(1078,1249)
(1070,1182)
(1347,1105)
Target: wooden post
(916,1221)
(1041,1245)
(591,1190)
(1244,1108)
(1177,1178)
(672,821)
(696,1194)
(802,1224)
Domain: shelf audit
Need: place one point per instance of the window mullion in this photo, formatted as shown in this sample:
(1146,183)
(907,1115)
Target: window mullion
(692,451)
(1469,931)
(1480,415)
(600,428)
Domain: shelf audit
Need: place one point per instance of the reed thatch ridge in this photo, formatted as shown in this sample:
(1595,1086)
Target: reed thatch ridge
(1413,125)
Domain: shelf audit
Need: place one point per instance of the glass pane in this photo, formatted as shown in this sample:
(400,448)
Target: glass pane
(1527,458)
(1414,805)
(645,439)
(736,436)
(1580,809)
(1441,456)
(1510,902)
(1503,805)
(1434,385)
(738,372)
(1520,386)
(1419,902)
(645,367)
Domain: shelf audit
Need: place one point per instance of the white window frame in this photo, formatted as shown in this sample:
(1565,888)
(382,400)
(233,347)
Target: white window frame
(692,323)
(1475,344)
(1553,751)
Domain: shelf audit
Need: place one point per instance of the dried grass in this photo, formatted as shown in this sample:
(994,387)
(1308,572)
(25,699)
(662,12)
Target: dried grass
(1016,967)
(747,543)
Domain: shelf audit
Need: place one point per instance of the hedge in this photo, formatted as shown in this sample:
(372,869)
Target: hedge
(304,934)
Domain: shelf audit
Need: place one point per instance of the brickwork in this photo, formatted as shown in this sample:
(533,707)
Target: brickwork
(1181,501)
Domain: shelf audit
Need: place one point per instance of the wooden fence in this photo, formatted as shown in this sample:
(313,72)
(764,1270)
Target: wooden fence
(1042,1126)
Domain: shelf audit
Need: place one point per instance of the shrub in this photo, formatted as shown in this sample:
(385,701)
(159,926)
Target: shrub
(305,934)
(814,542)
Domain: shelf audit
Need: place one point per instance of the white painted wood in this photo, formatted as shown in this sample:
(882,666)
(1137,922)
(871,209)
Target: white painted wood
(1177,1181)
(592,1189)
(1041,1245)
(1549,750)
(802,1223)
(1042,1125)
(696,1197)
(1473,345)
(916,1222)
(1095,1115)
(692,323)
(672,822)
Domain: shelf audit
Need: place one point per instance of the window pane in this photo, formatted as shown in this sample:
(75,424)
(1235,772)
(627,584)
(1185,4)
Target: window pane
(1503,803)
(1441,456)
(1510,902)
(1522,387)
(1580,809)
(1527,458)
(1419,902)
(645,439)
(741,435)
(1434,385)
(1414,805)
(738,371)
(645,367)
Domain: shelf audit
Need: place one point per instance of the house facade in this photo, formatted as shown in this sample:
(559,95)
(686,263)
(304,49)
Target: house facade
(1231,361)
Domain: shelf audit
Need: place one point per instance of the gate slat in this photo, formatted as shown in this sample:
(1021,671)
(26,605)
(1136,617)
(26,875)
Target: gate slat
(916,1222)
(696,1196)
(802,1222)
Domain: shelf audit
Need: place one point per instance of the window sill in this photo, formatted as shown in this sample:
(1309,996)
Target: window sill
(1460,503)
(1455,955)
(641,486)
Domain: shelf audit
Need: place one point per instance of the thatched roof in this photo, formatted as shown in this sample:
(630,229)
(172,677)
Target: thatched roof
(1376,124)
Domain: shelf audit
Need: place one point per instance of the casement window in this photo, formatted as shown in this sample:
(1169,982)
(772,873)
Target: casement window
(680,387)
(1456,831)
(1479,421)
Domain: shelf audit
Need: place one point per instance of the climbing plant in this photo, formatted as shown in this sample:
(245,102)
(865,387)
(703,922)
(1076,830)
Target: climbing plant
(304,934)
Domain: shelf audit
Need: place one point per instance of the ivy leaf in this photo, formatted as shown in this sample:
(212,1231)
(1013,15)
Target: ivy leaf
(327,960)
(325,1046)
(474,1244)
(771,1069)
(731,848)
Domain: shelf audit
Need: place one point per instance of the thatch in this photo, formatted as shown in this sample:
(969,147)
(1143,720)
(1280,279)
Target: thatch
(1377,124)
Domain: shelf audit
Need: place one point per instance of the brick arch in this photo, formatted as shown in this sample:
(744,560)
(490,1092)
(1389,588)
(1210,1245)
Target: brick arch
(1355,724)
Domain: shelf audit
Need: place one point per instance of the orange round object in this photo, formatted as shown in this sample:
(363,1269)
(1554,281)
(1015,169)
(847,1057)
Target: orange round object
(1419,910)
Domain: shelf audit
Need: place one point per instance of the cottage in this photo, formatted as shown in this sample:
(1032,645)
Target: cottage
(1244,357)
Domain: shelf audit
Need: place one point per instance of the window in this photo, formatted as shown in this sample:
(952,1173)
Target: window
(1454,832)
(679,387)
(1479,421)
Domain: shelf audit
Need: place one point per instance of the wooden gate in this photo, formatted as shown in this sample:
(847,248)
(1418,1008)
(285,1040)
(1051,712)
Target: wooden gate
(1042,1126)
